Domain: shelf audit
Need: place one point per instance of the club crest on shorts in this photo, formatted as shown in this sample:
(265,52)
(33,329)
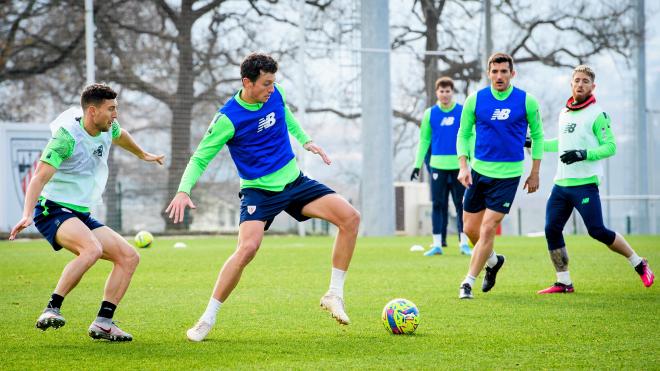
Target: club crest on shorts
(435,176)
(251,209)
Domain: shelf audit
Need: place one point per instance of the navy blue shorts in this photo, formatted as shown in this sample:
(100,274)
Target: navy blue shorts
(48,216)
(259,204)
(490,193)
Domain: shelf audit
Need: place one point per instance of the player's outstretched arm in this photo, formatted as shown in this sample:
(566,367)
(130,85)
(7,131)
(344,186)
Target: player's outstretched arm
(42,175)
(316,149)
(126,141)
(177,208)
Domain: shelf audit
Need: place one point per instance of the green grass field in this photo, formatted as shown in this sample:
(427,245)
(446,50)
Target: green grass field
(273,320)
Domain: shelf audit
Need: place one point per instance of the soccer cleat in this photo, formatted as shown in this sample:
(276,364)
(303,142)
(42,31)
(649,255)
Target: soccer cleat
(465,291)
(557,288)
(435,250)
(108,331)
(645,273)
(199,331)
(465,249)
(335,305)
(51,317)
(491,274)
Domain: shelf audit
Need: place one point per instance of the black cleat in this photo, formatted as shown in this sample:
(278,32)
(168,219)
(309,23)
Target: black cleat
(491,274)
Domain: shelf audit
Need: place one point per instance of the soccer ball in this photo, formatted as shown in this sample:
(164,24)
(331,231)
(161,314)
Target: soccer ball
(143,239)
(400,316)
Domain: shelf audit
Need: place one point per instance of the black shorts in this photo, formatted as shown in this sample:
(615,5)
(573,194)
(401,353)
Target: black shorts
(259,204)
(48,216)
(490,193)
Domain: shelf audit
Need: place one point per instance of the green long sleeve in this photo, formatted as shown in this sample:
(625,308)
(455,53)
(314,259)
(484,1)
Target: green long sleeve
(603,132)
(424,138)
(219,133)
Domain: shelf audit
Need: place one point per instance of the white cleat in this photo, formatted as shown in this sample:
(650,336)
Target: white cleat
(335,305)
(199,331)
(465,291)
(108,331)
(51,317)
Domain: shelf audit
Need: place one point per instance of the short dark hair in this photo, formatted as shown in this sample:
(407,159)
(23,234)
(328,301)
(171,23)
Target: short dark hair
(500,58)
(254,63)
(445,82)
(95,94)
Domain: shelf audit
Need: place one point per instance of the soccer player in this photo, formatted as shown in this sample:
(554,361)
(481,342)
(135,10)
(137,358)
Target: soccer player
(69,179)
(438,131)
(499,116)
(584,138)
(255,125)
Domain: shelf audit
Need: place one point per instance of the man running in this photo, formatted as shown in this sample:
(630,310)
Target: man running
(500,115)
(584,139)
(255,125)
(69,179)
(438,130)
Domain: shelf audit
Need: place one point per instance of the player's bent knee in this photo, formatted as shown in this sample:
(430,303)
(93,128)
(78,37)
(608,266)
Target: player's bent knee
(602,234)
(488,229)
(246,252)
(91,253)
(552,232)
(351,222)
(132,260)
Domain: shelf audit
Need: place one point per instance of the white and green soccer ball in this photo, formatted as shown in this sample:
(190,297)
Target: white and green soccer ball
(143,239)
(400,316)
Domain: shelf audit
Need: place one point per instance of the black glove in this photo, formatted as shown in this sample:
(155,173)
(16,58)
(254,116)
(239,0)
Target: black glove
(415,174)
(528,142)
(573,155)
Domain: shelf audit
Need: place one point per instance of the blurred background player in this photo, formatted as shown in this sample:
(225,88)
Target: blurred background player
(255,124)
(438,130)
(69,179)
(498,116)
(584,138)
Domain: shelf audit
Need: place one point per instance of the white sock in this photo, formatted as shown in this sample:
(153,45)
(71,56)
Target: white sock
(492,260)
(634,259)
(464,239)
(437,240)
(469,280)
(337,282)
(211,310)
(564,277)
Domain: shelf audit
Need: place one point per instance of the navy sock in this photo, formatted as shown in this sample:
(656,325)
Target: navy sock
(55,301)
(107,309)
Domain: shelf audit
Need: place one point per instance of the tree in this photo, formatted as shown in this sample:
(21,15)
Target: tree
(40,41)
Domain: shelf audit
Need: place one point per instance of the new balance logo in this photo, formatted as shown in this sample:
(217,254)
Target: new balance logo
(506,204)
(569,128)
(500,114)
(585,200)
(447,121)
(266,122)
(98,151)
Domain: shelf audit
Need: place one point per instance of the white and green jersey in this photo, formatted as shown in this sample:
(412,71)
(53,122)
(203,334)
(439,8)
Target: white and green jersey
(587,128)
(81,161)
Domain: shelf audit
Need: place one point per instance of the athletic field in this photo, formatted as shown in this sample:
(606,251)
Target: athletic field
(273,319)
